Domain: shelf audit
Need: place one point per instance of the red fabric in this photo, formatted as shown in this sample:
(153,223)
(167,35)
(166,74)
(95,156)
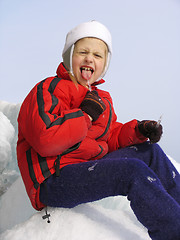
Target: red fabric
(50,122)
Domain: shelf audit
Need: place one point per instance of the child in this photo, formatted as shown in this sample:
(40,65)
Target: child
(71,149)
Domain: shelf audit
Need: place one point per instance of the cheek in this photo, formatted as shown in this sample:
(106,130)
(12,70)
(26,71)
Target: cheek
(101,66)
(75,64)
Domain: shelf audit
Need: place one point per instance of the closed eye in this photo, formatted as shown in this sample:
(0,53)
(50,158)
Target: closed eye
(83,52)
(97,55)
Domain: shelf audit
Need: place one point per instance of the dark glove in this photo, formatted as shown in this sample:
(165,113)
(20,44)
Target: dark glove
(93,105)
(150,129)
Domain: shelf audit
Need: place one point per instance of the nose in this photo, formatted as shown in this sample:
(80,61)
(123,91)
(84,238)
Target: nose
(89,58)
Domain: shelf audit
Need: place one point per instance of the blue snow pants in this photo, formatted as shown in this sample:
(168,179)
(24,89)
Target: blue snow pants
(141,172)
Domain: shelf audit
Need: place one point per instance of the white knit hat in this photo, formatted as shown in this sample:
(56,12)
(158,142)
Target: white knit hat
(88,29)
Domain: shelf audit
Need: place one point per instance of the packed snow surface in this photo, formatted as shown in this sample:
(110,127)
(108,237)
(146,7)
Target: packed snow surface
(107,219)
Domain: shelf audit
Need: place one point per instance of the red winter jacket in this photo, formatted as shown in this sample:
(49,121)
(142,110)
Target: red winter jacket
(54,132)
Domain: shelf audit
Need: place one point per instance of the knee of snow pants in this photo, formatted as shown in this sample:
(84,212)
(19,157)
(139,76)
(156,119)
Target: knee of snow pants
(157,160)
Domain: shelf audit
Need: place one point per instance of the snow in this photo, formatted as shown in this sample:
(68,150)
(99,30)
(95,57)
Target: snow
(107,219)
(8,138)
(110,218)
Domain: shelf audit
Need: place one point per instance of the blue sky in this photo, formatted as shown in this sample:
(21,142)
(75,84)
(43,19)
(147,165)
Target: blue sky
(144,74)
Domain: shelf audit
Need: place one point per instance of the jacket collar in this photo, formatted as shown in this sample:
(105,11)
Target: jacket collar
(62,72)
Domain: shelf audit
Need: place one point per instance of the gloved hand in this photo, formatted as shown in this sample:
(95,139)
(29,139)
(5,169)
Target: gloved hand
(150,129)
(93,105)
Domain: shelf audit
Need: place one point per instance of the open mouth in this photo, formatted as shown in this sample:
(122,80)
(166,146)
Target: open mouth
(86,72)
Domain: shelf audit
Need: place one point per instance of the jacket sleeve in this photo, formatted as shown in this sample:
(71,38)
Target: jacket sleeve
(123,135)
(48,123)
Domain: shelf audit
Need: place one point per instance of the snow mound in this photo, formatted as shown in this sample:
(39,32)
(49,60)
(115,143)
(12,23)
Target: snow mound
(110,218)
(8,138)
(6,135)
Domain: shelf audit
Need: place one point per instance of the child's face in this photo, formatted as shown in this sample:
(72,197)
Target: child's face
(88,60)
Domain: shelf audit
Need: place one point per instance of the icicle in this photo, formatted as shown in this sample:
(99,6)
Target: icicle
(159,121)
(89,85)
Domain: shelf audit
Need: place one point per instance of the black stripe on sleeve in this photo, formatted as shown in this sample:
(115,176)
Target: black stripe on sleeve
(68,116)
(31,170)
(51,89)
(40,101)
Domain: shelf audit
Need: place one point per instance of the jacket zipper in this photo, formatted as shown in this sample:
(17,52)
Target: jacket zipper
(109,120)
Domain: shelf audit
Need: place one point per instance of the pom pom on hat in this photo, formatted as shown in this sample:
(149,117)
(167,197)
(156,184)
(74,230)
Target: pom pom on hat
(88,29)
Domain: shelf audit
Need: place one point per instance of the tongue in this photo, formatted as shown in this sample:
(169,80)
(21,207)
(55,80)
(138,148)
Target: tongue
(86,74)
